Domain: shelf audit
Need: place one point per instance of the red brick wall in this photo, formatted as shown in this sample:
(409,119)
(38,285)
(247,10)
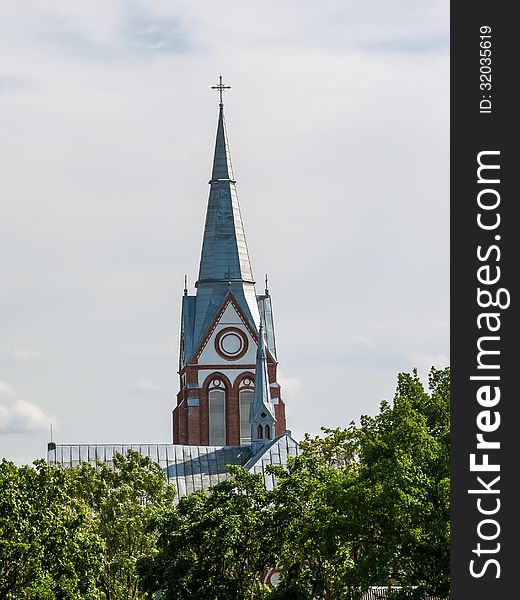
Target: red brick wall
(191,423)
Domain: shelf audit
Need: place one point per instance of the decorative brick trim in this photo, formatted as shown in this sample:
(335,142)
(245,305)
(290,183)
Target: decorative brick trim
(240,378)
(197,368)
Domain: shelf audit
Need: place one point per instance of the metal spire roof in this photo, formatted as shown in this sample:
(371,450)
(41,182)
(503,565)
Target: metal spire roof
(224,262)
(224,250)
(261,395)
(222,169)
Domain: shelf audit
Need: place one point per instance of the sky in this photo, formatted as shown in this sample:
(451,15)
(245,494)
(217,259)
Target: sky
(338,123)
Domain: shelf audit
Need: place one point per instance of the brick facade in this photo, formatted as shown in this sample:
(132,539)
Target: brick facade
(191,422)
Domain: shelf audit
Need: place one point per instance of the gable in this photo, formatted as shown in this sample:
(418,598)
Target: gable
(230,340)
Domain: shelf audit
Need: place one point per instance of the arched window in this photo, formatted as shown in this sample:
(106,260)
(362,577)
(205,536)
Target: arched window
(217,418)
(246,397)
(260,432)
(267,432)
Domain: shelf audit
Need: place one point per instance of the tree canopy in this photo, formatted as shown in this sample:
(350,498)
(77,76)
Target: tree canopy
(78,533)
(48,544)
(372,502)
(123,499)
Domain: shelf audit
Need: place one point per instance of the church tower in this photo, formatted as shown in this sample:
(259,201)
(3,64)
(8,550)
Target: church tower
(227,330)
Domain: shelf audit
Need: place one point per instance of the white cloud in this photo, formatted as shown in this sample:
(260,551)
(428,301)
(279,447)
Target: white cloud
(144,386)
(20,416)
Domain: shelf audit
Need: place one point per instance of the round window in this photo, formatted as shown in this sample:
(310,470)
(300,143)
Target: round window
(231,343)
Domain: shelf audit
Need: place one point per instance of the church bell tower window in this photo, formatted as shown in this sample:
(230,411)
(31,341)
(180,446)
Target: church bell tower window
(217,417)
(246,397)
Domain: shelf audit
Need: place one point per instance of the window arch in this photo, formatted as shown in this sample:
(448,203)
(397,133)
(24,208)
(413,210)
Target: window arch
(267,432)
(217,417)
(245,399)
(260,432)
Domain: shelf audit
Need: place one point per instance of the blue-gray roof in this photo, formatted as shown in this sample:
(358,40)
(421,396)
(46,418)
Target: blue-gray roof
(274,453)
(189,468)
(266,314)
(224,264)
(261,395)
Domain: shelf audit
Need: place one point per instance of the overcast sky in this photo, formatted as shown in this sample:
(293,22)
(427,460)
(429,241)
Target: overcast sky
(338,122)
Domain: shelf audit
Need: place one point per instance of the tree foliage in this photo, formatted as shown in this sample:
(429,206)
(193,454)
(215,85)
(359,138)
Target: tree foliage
(214,546)
(381,515)
(404,473)
(123,498)
(78,533)
(48,544)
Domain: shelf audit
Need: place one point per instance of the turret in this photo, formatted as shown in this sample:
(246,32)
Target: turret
(261,413)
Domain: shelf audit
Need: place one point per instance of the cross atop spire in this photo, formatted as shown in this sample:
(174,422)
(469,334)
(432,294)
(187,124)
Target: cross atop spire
(220,87)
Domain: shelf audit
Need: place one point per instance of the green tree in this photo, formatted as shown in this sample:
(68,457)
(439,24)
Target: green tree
(369,503)
(315,555)
(48,547)
(403,487)
(124,498)
(214,546)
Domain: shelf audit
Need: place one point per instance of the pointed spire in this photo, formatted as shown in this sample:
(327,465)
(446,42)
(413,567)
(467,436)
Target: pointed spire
(262,410)
(222,169)
(224,261)
(262,396)
(224,249)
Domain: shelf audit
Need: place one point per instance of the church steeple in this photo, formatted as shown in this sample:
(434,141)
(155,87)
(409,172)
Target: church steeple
(220,329)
